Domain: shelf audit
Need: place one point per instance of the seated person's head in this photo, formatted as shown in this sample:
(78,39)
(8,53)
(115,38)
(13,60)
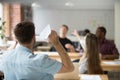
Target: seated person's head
(63,30)
(25,32)
(86,31)
(101,32)
(92,43)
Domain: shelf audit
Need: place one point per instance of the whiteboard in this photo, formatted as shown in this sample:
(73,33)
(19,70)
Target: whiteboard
(75,19)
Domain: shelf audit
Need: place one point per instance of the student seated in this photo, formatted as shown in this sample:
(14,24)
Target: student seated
(81,38)
(66,43)
(107,47)
(22,64)
(90,61)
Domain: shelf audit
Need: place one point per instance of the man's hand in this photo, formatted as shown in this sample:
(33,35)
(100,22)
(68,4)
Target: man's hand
(53,38)
(75,32)
(70,47)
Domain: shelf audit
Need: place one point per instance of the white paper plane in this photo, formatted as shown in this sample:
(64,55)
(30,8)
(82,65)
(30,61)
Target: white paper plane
(44,34)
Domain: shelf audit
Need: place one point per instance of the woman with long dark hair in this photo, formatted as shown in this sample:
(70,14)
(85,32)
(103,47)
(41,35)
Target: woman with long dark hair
(90,61)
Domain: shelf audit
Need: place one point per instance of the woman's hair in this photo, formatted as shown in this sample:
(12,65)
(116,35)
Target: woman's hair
(92,54)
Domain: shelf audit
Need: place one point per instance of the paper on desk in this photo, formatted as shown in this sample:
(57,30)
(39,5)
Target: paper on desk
(90,77)
(112,62)
(43,36)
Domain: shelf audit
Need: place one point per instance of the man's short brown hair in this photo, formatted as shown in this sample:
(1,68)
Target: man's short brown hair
(24,31)
(65,26)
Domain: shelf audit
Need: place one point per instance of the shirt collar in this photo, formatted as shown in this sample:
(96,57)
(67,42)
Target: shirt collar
(23,48)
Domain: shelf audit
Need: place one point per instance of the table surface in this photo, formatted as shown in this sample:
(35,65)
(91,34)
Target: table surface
(55,55)
(107,65)
(111,65)
(103,77)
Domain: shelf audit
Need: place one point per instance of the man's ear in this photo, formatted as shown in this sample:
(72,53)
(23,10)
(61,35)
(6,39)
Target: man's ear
(34,38)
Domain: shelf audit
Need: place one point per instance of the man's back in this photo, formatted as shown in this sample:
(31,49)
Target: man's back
(21,64)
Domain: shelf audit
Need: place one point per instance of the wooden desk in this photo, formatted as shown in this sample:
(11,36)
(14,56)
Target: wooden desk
(43,48)
(110,67)
(74,75)
(106,67)
(103,77)
(73,56)
(55,55)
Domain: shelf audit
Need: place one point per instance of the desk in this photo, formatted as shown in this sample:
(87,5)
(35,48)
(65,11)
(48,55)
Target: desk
(103,77)
(110,67)
(44,48)
(73,56)
(107,67)
(55,55)
(74,75)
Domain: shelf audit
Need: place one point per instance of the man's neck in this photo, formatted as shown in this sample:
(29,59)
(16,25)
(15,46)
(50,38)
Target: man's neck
(102,39)
(62,36)
(29,46)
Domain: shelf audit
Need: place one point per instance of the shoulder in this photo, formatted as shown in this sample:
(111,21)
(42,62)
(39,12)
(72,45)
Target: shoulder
(7,53)
(64,38)
(36,59)
(7,56)
(110,42)
(37,56)
(67,39)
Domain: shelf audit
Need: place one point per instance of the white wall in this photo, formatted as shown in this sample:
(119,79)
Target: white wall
(117,24)
(75,19)
(1,10)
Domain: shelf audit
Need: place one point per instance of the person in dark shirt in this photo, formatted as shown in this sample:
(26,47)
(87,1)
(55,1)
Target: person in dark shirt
(66,43)
(107,48)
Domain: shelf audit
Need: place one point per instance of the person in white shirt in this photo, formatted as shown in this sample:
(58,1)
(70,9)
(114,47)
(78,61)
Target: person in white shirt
(90,61)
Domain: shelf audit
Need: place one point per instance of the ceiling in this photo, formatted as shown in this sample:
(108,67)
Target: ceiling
(60,4)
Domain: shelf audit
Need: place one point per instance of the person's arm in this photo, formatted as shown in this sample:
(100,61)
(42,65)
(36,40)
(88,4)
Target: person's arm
(75,32)
(67,65)
(81,39)
(70,47)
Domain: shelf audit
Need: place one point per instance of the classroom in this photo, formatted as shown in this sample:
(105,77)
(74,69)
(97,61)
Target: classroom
(59,40)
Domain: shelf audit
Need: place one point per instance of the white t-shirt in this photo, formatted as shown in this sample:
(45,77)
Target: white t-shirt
(83,66)
(83,42)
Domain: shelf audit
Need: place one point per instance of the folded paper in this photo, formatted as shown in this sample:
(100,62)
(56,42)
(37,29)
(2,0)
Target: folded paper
(44,34)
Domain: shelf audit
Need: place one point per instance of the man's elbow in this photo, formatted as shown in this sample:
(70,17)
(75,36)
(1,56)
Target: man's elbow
(70,68)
